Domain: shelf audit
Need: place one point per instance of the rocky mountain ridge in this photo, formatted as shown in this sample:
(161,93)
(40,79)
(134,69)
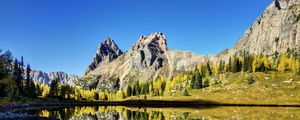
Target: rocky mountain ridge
(276,30)
(47,78)
(148,58)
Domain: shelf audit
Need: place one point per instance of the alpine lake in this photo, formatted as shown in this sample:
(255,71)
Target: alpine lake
(132,113)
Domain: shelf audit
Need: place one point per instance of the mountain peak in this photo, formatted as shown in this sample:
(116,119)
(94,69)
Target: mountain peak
(107,52)
(148,51)
(108,41)
(157,39)
(156,36)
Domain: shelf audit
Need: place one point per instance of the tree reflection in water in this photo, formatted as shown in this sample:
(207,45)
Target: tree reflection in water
(125,113)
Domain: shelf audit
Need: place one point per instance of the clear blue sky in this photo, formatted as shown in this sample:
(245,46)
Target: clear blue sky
(63,35)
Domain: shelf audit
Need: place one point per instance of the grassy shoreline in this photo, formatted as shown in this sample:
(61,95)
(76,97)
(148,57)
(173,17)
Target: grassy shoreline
(269,90)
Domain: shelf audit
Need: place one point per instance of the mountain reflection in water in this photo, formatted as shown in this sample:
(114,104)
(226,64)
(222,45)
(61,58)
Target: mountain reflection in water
(126,113)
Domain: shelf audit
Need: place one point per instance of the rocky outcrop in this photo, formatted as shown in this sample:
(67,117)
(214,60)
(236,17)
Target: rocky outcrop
(277,29)
(107,51)
(47,78)
(148,52)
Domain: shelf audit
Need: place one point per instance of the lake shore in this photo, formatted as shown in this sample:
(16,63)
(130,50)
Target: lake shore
(141,104)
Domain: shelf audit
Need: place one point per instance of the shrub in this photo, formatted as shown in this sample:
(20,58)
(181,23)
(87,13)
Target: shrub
(185,92)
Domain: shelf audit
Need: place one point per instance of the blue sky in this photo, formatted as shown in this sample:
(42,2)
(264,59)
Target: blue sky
(63,35)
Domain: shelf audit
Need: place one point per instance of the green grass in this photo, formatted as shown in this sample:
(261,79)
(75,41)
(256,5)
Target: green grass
(268,88)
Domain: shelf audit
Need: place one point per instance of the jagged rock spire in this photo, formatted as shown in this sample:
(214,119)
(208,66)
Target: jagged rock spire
(107,52)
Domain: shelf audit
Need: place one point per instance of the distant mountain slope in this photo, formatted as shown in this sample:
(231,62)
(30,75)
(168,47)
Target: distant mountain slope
(276,30)
(47,78)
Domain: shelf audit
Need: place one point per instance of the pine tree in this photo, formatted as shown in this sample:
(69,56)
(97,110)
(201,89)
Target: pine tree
(208,69)
(128,92)
(234,64)
(151,91)
(38,90)
(30,86)
(283,63)
(256,64)
(248,60)
(54,88)
(95,95)
(6,64)
(11,89)
(193,79)
(221,66)
(229,65)
(137,88)
(116,83)
(168,88)
(1,65)
(63,91)
(28,81)
(295,66)
(17,75)
(266,66)
(198,81)
(216,69)
(32,89)
(21,74)
(239,64)
(103,96)
(120,95)
(145,88)
(133,91)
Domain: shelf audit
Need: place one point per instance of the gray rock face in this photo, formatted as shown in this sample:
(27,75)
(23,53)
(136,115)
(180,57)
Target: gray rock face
(47,78)
(107,52)
(277,29)
(40,77)
(148,51)
(63,78)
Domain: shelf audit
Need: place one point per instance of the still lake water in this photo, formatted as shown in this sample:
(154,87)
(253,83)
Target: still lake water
(205,113)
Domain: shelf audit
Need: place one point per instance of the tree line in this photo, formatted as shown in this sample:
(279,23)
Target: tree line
(207,74)
(15,80)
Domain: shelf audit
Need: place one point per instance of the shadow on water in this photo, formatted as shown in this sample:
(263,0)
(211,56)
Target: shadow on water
(164,113)
(163,103)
